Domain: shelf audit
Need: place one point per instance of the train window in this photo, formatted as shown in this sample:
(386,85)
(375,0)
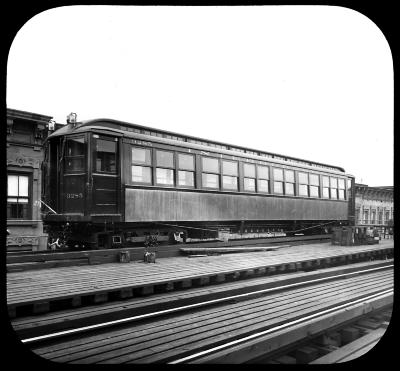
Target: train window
(303,184)
(141,174)
(278,187)
(289,188)
(230,175)
(104,156)
(141,156)
(314,185)
(303,190)
(263,179)
(263,172)
(278,174)
(230,168)
(164,176)
(230,182)
(186,178)
(249,170)
(210,180)
(75,154)
(185,162)
(289,182)
(303,178)
(334,191)
(341,190)
(249,184)
(165,159)
(325,187)
(210,165)
(263,185)
(249,181)
(278,180)
(165,165)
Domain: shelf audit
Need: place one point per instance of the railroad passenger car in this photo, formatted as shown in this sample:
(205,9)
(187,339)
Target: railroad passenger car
(109,183)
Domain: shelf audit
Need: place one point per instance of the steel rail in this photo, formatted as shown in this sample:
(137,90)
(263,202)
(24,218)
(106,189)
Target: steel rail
(196,305)
(192,357)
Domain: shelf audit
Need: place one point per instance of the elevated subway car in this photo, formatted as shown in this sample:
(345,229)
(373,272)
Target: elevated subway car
(108,183)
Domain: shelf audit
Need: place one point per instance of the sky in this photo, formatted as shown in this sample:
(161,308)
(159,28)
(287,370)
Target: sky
(312,82)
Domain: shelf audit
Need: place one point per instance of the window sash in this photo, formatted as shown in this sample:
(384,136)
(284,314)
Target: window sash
(185,162)
(186,178)
(210,165)
(325,192)
(210,180)
(263,172)
(229,182)
(341,184)
(314,191)
(164,159)
(278,174)
(303,190)
(303,178)
(141,174)
(334,183)
(18,185)
(289,176)
(164,176)
(314,179)
(325,181)
(289,189)
(249,184)
(249,170)
(278,187)
(263,185)
(230,168)
(141,156)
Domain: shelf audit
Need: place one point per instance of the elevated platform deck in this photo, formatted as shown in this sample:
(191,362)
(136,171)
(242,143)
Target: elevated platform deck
(40,291)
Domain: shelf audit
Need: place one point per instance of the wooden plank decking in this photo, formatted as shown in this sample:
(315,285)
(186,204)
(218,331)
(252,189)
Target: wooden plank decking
(40,288)
(163,340)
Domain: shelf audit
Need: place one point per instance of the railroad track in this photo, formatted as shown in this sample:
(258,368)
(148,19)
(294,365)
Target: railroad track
(230,329)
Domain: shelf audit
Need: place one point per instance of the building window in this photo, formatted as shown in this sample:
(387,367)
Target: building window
(289,182)
(387,216)
(165,167)
(325,187)
(358,221)
(186,170)
(74,155)
(141,165)
(366,217)
(341,190)
(210,175)
(18,201)
(373,216)
(263,179)
(380,217)
(303,184)
(230,175)
(334,190)
(314,185)
(249,177)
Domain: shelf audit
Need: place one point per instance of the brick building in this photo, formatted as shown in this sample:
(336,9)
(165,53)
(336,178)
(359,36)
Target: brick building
(374,205)
(26,132)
